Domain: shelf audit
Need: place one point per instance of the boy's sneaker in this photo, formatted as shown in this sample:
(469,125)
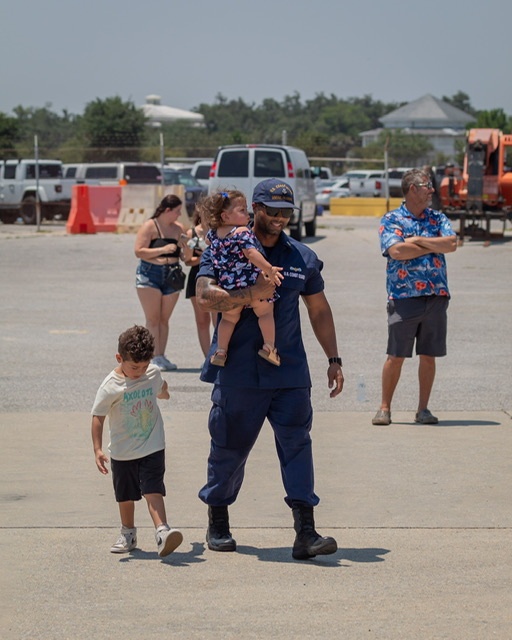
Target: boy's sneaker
(167,540)
(126,542)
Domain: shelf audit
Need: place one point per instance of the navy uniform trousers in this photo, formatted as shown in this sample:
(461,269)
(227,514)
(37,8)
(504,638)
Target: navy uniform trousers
(235,421)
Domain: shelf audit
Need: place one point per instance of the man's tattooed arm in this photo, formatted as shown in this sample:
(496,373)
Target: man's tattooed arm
(211,297)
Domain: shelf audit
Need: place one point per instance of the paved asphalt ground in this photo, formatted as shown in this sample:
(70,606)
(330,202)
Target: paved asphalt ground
(422,515)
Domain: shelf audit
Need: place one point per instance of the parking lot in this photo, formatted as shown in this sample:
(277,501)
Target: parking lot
(67,298)
(421,513)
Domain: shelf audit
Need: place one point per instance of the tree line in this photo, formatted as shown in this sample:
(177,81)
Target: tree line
(325,126)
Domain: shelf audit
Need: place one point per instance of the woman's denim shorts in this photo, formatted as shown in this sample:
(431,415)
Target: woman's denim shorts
(154,276)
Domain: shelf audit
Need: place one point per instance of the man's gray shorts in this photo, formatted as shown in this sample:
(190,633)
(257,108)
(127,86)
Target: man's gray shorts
(421,319)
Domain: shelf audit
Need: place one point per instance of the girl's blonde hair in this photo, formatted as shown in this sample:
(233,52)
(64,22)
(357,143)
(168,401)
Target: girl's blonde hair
(214,205)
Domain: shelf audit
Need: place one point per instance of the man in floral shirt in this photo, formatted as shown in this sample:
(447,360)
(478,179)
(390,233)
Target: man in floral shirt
(414,239)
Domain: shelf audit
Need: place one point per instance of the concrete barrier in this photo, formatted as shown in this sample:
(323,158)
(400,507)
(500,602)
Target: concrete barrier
(375,207)
(118,208)
(138,203)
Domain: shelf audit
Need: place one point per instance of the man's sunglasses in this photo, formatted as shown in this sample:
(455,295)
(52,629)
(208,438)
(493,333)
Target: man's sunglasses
(278,211)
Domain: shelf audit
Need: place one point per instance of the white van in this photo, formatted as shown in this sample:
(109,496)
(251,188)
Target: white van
(242,166)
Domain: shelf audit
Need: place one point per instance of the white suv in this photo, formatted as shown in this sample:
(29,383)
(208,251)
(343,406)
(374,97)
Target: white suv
(243,166)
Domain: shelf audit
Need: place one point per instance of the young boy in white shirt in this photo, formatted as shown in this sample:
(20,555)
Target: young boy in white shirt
(128,395)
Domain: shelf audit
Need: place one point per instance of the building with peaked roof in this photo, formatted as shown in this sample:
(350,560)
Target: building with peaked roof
(440,122)
(158,113)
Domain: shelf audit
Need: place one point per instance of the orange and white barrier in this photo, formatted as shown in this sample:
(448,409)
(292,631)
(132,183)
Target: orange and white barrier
(98,208)
(105,203)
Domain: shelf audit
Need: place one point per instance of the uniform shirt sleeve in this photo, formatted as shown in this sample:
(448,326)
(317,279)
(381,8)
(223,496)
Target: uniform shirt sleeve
(206,264)
(314,282)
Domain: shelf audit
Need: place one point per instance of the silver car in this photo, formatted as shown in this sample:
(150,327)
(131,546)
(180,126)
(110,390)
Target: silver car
(336,189)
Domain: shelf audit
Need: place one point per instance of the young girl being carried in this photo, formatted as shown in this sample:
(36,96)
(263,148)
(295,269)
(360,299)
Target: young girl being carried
(238,261)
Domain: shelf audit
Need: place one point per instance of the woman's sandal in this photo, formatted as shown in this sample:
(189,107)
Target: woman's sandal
(270,355)
(219,357)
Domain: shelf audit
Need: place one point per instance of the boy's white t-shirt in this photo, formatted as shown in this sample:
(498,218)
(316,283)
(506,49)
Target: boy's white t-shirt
(135,422)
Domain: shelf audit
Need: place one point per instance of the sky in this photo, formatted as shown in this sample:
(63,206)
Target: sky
(63,54)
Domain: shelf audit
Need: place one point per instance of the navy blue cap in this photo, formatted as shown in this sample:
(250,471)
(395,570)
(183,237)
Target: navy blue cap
(274,193)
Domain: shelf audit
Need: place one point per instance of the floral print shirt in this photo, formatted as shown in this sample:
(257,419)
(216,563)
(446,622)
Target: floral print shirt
(423,276)
(233,269)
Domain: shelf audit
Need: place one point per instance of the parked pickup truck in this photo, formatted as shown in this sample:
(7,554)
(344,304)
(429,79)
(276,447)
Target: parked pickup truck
(367,184)
(372,184)
(19,188)
(395,181)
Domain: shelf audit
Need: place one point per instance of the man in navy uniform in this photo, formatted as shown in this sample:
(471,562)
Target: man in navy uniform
(249,389)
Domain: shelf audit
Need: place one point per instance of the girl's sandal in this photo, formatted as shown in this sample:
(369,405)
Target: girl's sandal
(270,355)
(219,358)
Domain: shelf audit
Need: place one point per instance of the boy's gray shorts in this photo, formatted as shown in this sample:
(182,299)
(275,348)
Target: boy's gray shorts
(422,319)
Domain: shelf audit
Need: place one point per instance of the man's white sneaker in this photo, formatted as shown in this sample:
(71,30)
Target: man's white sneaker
(167,540)
(126,541)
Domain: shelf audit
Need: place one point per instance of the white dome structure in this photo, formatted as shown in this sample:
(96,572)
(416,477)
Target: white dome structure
(158,113)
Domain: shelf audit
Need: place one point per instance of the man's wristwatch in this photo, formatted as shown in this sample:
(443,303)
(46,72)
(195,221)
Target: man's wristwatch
(336,360)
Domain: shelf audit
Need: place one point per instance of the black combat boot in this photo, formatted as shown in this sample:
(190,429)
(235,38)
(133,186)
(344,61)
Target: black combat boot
(218,535)
(308,543)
